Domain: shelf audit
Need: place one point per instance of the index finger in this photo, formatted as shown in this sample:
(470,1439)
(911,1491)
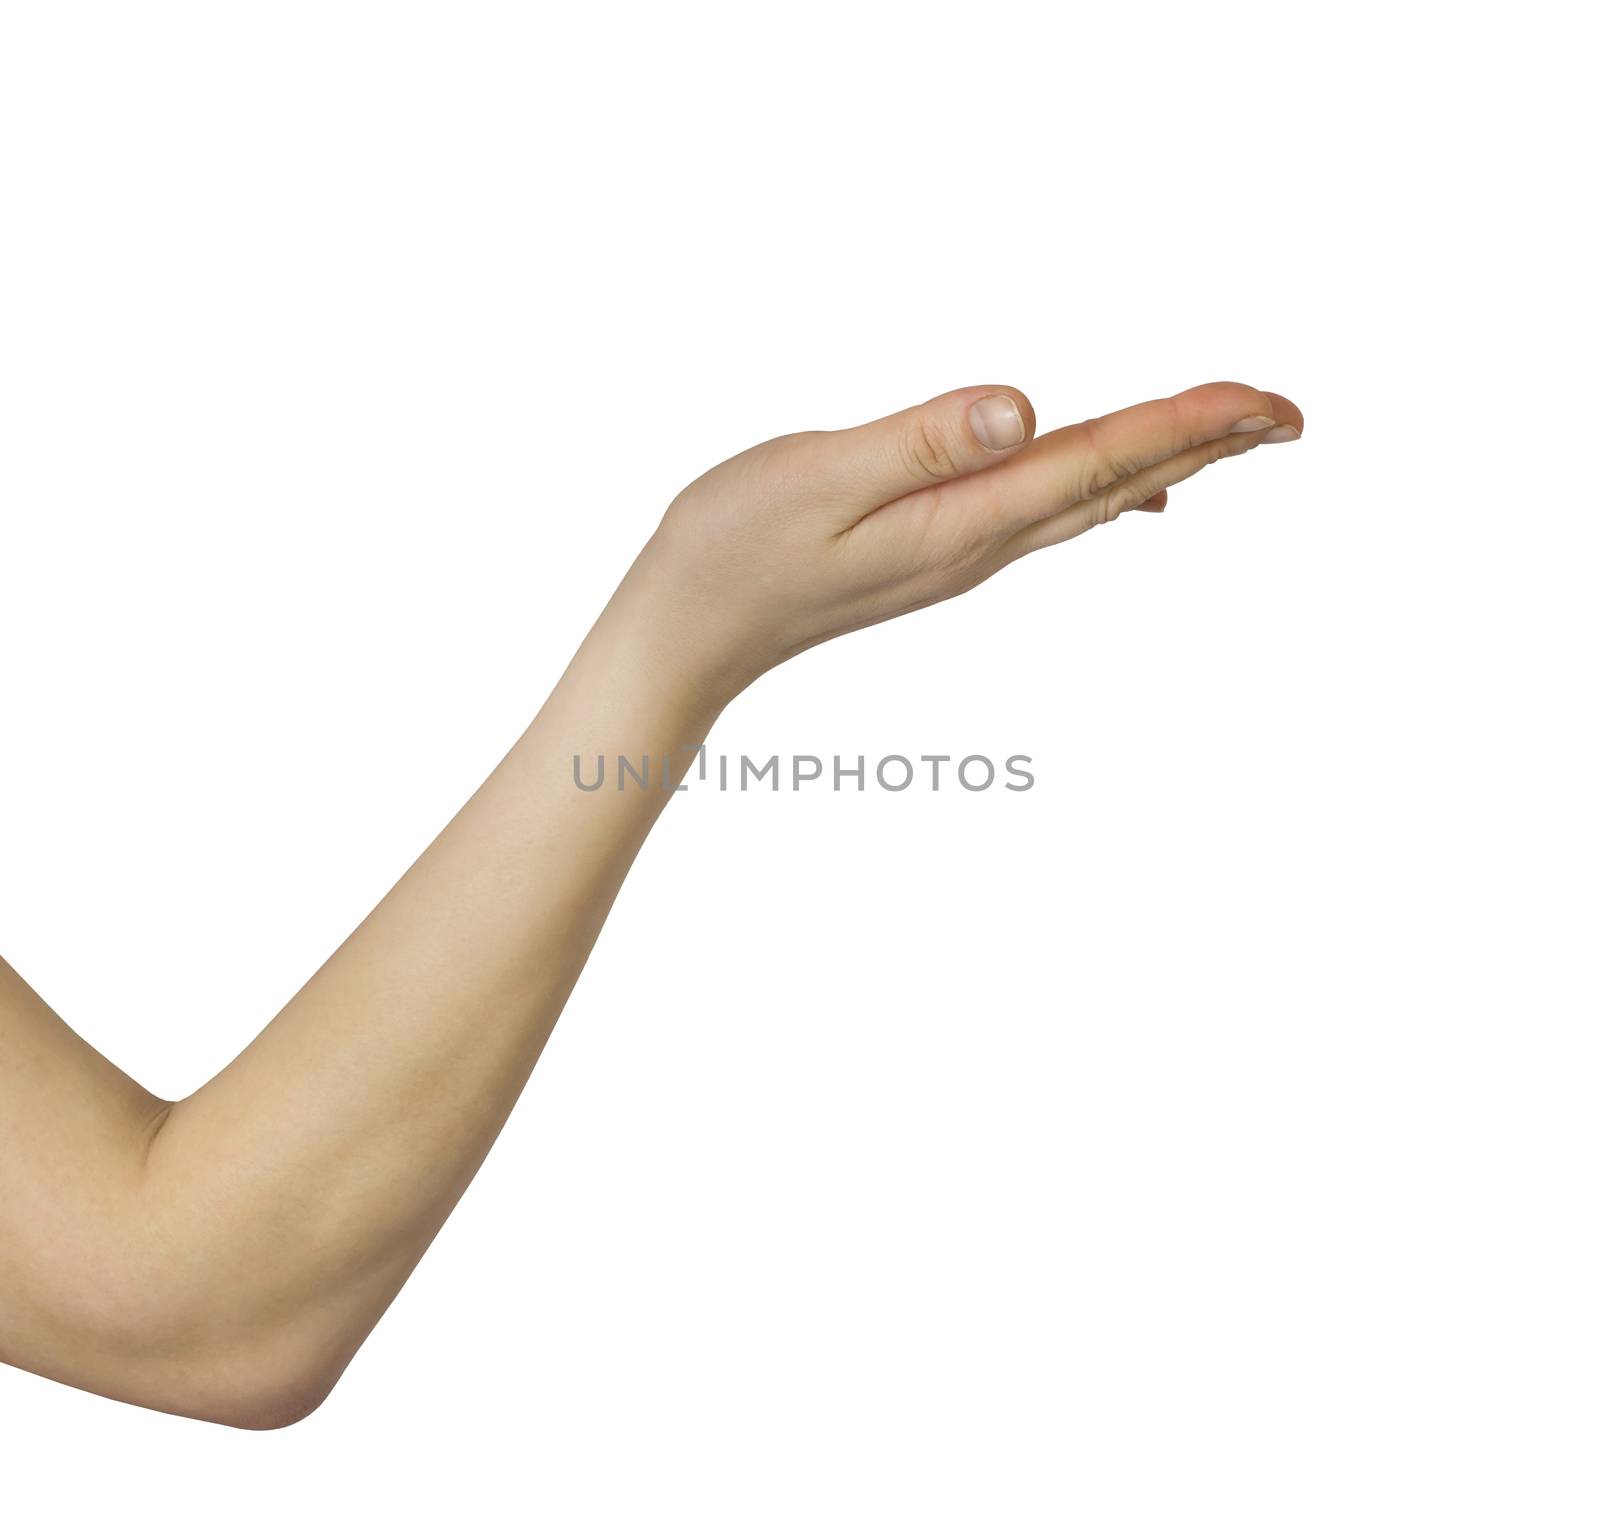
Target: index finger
(1077,463)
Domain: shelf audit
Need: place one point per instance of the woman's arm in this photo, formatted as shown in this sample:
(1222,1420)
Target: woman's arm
(225,1256)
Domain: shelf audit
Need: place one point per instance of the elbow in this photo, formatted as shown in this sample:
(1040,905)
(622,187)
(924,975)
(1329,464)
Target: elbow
(271,1383)
(240,1396)
(269,1405)
(256,1387)
(243,1377)
(182,1312)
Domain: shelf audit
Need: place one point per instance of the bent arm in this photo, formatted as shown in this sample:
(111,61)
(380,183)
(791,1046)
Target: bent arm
(224,1257)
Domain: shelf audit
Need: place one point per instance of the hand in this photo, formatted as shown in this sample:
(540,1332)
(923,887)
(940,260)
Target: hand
(811,535)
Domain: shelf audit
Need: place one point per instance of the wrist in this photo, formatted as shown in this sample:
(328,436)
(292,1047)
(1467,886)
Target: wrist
(676,638)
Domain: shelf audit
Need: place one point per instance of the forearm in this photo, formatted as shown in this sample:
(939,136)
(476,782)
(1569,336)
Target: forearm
(312,1173)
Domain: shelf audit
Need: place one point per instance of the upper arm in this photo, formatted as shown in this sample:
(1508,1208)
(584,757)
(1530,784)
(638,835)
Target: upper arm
(73,1130)
(69,1119)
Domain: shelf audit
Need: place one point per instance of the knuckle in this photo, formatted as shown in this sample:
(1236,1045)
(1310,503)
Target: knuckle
(786,464)
(1101,467)
(927,450)
(792,451)
(1109,506)
(790,442)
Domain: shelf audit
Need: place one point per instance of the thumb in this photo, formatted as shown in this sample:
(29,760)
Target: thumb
(941,439)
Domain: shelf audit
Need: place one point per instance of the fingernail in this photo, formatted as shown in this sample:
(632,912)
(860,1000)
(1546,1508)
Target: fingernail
(1251,424)
(1281,435)
(996,422)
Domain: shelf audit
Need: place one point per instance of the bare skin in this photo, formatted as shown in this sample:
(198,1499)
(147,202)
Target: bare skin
(224,1256)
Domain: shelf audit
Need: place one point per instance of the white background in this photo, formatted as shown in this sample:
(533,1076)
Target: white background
(1203,1141)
